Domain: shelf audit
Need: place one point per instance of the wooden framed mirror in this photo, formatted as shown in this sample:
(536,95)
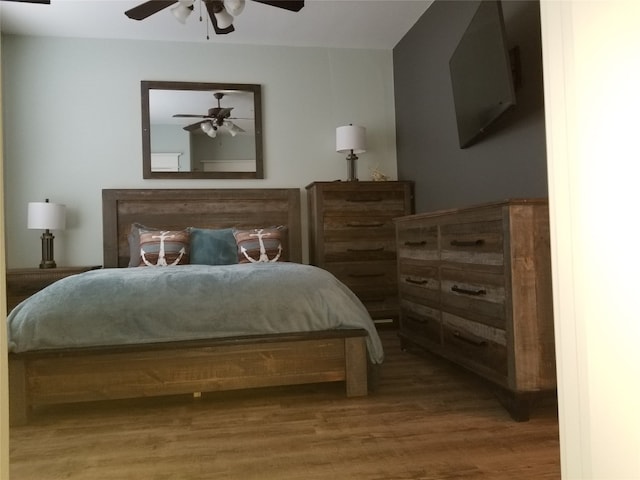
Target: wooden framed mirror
(201,130)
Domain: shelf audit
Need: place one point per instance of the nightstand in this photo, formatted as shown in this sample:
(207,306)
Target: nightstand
(24,282)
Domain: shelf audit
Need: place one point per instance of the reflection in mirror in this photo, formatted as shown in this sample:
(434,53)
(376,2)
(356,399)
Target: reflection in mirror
(201,130)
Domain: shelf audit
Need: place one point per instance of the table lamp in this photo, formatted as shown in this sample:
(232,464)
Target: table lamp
(46,216)
(351,139)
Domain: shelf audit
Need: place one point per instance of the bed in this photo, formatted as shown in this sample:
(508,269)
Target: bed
(238,359)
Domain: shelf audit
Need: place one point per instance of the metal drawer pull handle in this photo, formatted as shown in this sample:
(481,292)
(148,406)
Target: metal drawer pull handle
(364,200)
(365,249)
(467,291)
(467,243)
(416,244)
(379,224)
(472,339)
(366,275)
(416,282)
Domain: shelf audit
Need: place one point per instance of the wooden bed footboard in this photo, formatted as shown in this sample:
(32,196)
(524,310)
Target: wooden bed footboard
(105,373)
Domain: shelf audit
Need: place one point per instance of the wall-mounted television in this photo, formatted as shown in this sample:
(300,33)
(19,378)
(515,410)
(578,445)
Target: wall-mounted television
(481,74)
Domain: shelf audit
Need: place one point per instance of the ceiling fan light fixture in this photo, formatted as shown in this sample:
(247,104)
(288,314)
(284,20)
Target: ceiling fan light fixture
(208,128)
(183,10)
(220,12)
(220,19)
(233,128)
(234,7)
(223,19)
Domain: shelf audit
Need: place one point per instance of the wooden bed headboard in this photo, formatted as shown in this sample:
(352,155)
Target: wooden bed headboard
(175,209)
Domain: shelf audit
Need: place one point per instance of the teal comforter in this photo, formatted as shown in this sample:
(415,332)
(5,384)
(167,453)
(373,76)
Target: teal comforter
(119,306)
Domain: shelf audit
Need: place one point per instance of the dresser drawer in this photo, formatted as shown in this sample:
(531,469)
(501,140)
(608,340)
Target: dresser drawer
(474,242)
(354,228)
(369,201)
(375,284)
(419,281)
(380,276)
(478,295)
(480,347)
(420,323)
(419,242)
(363,249)
(383,307)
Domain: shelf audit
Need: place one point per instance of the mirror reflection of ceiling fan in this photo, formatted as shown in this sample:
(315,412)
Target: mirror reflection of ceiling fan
(221,12)
(214,119)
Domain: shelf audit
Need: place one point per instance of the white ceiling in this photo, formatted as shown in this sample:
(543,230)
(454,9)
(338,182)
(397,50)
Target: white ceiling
(377,24)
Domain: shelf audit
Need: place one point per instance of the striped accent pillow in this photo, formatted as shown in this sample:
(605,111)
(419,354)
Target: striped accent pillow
(161,248)
(262,245)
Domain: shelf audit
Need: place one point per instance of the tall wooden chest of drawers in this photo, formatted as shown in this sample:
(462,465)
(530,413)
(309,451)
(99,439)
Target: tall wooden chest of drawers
(475,288)
(352,235)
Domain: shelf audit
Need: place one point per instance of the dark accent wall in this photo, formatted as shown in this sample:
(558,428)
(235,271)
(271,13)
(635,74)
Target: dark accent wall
(510,161)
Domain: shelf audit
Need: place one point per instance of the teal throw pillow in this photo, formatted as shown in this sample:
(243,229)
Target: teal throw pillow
(213,246)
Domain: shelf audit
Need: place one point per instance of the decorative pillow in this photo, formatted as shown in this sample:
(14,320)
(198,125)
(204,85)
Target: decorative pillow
(261,244)
(160,248)
(134,243)
(213,246)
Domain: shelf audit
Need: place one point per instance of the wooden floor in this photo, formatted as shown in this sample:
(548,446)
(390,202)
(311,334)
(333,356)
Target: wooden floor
(428,420)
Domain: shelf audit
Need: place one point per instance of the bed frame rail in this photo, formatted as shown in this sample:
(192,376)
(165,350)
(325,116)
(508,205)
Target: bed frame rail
(105,373)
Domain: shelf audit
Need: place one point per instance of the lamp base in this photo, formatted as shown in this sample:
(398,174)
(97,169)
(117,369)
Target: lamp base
(47,250)
(351,165)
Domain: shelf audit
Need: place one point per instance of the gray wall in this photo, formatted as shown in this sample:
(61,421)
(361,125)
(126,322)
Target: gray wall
(510,162)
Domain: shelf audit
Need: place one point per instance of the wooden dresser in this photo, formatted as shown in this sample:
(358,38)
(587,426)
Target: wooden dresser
(475,288)
(352,235)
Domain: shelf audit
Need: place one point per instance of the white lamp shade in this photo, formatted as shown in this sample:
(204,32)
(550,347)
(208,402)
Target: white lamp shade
(233,128)
(234,7)
(350,137)
(208,128)
(46,216)
(181,12)
(223,19)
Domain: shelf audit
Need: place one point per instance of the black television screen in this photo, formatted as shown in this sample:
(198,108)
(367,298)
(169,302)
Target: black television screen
(481,74)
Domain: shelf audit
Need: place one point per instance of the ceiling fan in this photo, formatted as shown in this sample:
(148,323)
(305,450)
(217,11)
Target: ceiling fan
(221,12)
(215,118)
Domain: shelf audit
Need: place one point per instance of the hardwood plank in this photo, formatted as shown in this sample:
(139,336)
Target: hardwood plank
(428,419)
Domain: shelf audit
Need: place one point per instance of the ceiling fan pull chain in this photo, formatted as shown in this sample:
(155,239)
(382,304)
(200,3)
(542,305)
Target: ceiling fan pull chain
(207,21)
(200,13)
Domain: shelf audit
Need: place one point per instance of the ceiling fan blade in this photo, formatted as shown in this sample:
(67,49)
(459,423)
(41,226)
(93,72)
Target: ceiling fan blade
(293,5)
(147,9)
(44,2)
(194,127)
(189,115)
